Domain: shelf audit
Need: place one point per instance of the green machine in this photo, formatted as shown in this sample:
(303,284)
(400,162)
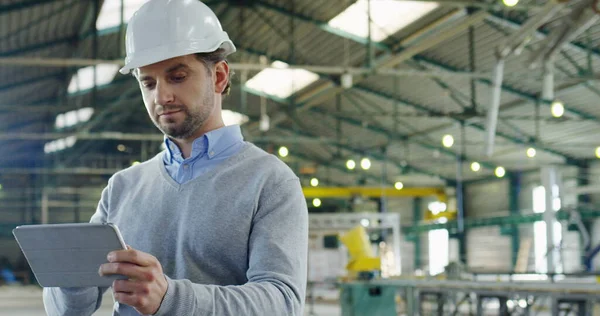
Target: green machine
(364,299)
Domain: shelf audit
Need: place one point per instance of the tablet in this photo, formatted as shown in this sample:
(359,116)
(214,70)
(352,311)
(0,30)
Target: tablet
(69,255)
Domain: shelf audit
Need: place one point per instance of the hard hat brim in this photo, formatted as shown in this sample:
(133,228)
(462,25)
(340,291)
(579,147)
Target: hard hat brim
(161,53)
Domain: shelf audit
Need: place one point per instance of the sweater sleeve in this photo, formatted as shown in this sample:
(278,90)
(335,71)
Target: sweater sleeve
(278,245)
(78,301)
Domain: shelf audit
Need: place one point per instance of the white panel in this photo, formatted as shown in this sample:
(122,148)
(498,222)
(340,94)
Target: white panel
(595,242)
(594,178)
(571,251)
(487,250)
(407,255)
(403,206)
(526,233)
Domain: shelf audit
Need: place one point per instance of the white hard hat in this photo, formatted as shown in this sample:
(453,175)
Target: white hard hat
(164,29)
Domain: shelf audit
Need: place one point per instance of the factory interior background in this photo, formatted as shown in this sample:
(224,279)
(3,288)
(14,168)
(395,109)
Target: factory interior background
(458,138)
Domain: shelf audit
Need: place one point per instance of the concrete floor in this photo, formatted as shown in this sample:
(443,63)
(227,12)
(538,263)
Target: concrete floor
(27,301)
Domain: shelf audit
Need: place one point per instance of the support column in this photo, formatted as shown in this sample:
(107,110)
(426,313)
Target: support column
(584,200)
(549,180)
(417,217)
(514,207)
(462,232)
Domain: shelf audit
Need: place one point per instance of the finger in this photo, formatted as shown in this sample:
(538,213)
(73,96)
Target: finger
(132,256)
(130,299)
(129,270)
(130,286)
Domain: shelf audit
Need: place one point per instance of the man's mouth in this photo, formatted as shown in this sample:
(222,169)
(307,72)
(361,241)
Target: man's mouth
(169,113)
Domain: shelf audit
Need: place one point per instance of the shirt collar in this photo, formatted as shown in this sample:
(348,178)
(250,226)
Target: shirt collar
(213,143)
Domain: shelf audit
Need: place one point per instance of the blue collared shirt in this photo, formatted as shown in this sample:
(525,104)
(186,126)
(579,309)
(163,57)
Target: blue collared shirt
(208,151)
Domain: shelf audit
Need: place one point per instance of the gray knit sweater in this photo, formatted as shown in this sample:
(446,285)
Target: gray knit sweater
(231,242)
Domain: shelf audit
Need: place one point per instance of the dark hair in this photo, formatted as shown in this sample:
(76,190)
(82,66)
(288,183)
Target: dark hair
(209,60)
(212,58)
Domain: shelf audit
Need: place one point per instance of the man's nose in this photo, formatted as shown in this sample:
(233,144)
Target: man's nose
(164,94)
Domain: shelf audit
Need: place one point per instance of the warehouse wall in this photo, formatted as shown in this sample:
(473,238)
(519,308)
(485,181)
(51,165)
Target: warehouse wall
(488,248)
(404,207)
(488,199)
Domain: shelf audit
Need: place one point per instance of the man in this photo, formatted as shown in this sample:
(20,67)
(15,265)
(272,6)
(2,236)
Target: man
(215,226)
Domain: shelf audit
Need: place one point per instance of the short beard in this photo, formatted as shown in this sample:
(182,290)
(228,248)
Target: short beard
(187,128)
(192,122)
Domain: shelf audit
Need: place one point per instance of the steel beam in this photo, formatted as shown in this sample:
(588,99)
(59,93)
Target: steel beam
(373,192)
(381,157)
(570,160)
(8,8)
(39,46)
(320,24)
(497,221)
(30,81)
(325,90)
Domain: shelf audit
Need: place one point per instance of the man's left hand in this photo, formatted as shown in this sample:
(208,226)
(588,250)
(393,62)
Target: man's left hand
(146,285)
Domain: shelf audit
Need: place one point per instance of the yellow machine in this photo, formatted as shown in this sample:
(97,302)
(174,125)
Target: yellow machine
(362,258)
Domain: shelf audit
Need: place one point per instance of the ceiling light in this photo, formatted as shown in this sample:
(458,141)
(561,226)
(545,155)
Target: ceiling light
(314,182)
(283,151)
(350,164)
(316,202)
(475,166)
(558,109)
(510,3)
(398,185)
(365,163)
(500,172)
(365,222)
(448,141)
(531,152)
(121,148)
(522,303)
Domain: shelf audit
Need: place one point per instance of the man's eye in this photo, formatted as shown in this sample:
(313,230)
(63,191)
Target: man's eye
(178,78)
(148,85)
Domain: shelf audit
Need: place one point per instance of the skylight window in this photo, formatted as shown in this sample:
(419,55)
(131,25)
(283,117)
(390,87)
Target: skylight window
(387,17)
(280,81)
(110,13)
(73,117)
(60,144)
(84,78)
(233,118)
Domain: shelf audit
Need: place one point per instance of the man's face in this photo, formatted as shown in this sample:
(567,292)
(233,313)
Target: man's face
(179,94)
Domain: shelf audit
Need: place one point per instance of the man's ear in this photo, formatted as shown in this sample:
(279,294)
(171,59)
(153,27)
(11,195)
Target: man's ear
(221,76)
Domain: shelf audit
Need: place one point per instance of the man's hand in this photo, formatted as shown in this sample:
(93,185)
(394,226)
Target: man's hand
(146,286)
